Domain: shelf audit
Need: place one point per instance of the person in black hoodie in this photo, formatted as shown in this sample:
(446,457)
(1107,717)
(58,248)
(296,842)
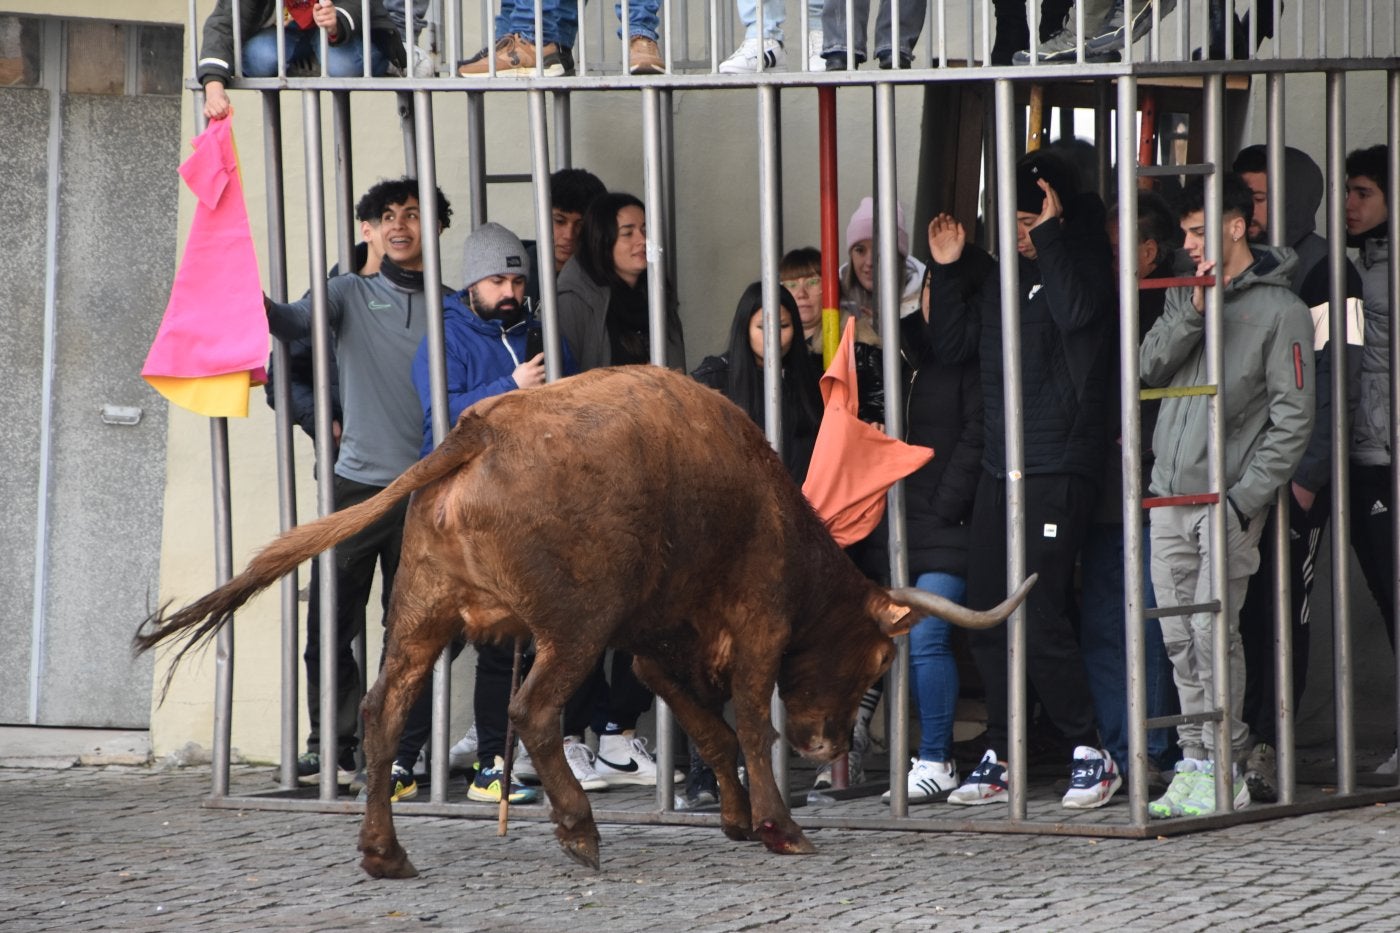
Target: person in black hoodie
(1066,307)
(1310,490)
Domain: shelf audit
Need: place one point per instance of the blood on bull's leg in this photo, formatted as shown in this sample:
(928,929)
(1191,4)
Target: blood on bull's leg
(771,818)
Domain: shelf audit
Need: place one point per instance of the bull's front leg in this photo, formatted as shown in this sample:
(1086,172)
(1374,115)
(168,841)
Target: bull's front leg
(772,820)
(712,735)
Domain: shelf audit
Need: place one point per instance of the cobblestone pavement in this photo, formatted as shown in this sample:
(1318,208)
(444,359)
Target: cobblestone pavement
(133,849)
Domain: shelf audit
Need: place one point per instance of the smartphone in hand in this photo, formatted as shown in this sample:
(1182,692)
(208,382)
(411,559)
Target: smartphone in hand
(534,341)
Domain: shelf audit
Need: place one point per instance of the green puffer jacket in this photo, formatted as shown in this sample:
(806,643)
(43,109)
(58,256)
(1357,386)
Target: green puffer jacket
(1267,386)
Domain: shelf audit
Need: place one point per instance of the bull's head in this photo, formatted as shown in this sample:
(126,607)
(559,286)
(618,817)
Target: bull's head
(822,689)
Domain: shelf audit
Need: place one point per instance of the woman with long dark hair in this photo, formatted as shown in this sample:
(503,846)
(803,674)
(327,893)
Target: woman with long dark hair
(738,373)
(603,290)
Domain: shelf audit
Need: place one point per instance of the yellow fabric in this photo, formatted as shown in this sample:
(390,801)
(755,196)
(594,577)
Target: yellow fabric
(224,396)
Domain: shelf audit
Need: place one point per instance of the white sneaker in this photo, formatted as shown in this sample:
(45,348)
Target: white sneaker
(928,779)
(423,64)
(986,784)
(523,767)
(1093,779)
(1391,764)
(815,62)
(823,781)
(462,756)
(624,759)
(746,56)
(580,759)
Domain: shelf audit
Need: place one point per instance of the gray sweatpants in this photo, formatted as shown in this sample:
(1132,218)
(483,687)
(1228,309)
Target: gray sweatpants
(1181,576)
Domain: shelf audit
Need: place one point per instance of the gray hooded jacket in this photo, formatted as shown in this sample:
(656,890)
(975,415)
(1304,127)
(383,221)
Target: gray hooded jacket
(1267,386)
(1370,429)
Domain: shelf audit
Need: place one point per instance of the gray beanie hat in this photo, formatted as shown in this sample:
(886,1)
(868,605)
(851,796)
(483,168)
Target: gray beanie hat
(493,250)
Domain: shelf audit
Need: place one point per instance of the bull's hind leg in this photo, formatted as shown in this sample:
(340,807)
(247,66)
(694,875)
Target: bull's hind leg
(557,672)
(416,638)
(718,744)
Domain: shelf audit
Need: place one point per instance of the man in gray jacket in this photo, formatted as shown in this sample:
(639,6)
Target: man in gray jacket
(377,322)
(1268,398)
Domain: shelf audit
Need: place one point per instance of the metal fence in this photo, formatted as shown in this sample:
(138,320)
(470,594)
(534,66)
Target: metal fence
(1309,39)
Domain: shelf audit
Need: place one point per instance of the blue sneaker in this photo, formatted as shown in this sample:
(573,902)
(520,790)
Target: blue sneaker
(986,784)
(1093,779)
(486,786)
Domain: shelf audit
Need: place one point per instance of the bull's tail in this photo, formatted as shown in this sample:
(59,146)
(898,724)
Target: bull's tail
(198,622)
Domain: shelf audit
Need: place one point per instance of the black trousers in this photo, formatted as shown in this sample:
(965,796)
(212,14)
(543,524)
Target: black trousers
(355,561)
(1257,613)
(620,700)
(1371,521)
(1058,511)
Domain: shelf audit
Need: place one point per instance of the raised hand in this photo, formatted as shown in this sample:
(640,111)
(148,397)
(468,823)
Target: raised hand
(946,239)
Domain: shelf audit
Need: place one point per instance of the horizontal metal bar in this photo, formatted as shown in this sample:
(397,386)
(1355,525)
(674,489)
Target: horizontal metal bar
(1191,168)
(1164,502)
(1148,395)
(1180,281)
(514,178)
(1164,722)
(1167,612)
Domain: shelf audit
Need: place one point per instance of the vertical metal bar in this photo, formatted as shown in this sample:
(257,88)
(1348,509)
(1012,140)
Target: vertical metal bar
(759,24)
(192,34)
(544,237)
(890,291)
(344,180)
(943,34)
(1393,293)
(237,23)
(626,40)
(1369,29)
(323,52)
(563,130)
(581,50)
(1015,453)
(437,384)
(896,49)
(325,453)
(668,185)
(850,34)
(657,300)
(286,454)
(1103,130)
(712,15)
(476,157)
(805,24)
(1134,597)
(539,39)
(1344,701)
(365,62)
(1215,369)
(1283,576)
(452,38)
(410,146)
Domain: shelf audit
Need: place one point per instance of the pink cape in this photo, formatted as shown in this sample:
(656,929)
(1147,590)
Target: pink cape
(853,464)
(212,343)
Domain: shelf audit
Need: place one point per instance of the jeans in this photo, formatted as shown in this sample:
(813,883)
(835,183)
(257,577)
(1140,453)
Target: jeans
(602,704)
(1102,645)
(643,18)
(560,19)
(911,22)
(345,60)
(933,674)
(773,16)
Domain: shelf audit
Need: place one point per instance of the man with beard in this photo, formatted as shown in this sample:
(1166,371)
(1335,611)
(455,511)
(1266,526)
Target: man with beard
(485,334)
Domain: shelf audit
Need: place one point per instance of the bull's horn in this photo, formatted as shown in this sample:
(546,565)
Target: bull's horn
(931,604)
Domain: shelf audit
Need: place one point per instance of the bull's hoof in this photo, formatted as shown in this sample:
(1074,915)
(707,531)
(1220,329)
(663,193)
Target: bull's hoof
(739,832)
(393,865)
(784,842)
(583,851)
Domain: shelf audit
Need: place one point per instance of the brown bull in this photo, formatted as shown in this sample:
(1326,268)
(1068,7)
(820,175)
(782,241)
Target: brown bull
(631,508)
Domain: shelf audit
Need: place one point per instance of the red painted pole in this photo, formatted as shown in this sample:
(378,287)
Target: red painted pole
(831,243)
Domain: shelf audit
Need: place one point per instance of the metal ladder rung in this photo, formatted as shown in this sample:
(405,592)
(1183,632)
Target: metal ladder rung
(1147,395)
(1166,612)
(1164,722)
(1196,168)
(1179,281)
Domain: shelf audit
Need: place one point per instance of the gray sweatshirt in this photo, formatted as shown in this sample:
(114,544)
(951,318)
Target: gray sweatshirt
(377,327)
(1267,386)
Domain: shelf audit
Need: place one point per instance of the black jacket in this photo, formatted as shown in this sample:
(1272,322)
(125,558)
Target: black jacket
(216,51)
(1066,306)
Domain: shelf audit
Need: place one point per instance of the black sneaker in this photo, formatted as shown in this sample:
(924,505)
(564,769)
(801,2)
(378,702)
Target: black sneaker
(701,788)
(836,60)
(886,63)
(566,59)
(309,767)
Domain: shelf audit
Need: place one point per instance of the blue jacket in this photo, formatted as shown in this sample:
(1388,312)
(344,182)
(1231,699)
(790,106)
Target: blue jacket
(481,355)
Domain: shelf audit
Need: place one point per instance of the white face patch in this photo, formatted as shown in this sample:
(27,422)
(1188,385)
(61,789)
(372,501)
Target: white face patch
(1051,530)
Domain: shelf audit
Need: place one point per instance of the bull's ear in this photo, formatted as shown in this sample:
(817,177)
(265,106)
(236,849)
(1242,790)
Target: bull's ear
(894,619)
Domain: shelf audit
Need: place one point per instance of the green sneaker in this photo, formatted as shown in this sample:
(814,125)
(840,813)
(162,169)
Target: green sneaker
(1169,804)
(404,786)
(486,786)
(1201,800)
